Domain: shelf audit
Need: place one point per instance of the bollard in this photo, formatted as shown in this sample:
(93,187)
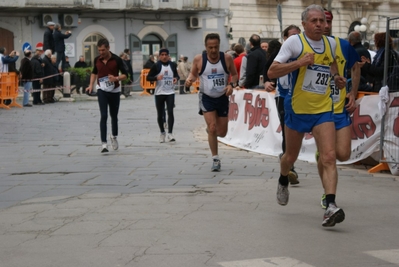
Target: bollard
(66,91)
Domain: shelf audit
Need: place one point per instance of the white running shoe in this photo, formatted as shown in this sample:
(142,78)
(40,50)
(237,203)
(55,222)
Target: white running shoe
(162,138)
(114,142)
(104,148)
(171,138)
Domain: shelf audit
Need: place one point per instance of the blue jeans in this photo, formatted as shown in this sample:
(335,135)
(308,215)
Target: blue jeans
(112,100)
(27,88)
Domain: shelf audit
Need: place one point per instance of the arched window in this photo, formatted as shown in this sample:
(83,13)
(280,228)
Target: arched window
(90,47)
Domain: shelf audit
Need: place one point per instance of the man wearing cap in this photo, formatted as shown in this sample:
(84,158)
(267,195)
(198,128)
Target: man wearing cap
(164,72)
(344,100)
(48,40)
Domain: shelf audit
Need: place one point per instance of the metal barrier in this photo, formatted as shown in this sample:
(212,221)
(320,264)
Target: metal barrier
(9,90)
(392,29)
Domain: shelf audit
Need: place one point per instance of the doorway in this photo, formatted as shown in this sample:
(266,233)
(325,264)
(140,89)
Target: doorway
(90,48)
(149,45)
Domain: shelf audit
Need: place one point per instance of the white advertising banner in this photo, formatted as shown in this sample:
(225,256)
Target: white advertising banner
(254,125)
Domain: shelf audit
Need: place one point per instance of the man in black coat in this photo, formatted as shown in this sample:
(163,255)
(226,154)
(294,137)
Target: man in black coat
(48,80)
(256,61)
(355,40)
(48,40)
(59,43)
(38,73)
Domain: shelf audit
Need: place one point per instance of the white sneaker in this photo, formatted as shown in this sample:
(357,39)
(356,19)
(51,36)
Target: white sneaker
(114,142)
(171,138)
(104,148)
(162,138)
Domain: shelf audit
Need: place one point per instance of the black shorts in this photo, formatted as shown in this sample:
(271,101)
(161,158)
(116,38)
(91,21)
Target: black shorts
(219,104)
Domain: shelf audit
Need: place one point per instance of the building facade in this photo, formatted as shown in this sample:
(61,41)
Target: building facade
(262,16)
(143,26)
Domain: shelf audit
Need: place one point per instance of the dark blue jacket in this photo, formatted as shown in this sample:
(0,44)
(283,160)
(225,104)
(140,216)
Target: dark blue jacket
(59,42)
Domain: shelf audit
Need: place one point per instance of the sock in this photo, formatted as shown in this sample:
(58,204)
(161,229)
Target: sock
(330,198)
(215,157)
(283,180)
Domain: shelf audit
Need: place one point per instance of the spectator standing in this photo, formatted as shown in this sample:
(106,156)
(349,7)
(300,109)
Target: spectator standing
(265,46)
(355,39)
(213,69)
(239,49)
(66,64)
(106,71)
(256,61)
(59,44)
(310,108)
(164,72)
(56,78)
(375,70)
(38,75)
(48,79)
(48,39)
(81,64)
(372,53)
(129,65)
(150,62)
(183,71)
(7,59)
(26,71)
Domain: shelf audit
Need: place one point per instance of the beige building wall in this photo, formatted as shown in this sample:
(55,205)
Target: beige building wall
(260,16)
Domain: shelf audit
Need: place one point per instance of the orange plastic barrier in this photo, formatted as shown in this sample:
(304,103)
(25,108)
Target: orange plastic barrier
(360,94)
(9,89)
(146,85)
(195,85)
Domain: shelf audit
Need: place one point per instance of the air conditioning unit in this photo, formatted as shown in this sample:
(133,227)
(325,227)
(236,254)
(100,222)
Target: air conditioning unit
(195,22)
(70,20)
(49,17)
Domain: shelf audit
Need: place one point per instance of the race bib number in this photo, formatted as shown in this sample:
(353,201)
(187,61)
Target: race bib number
(168,83)
(105,84)
(335,92)
(316,79)
(216,82)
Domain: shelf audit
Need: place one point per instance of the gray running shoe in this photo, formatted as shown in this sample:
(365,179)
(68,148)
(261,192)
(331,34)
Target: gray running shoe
(282,194)
(162,138)
(333,215)
(216,165)
(293,177)
(114,142)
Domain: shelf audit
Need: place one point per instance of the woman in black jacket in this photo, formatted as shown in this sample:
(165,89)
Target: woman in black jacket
(375,70)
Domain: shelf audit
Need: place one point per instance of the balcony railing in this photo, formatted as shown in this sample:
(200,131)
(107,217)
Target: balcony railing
(118,4)
(196,4)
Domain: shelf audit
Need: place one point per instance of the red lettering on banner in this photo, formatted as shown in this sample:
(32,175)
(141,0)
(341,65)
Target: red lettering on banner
(258,113)
(394,104)
(233,109)
(362,125)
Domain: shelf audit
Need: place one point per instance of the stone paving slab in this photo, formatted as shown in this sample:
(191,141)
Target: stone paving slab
(63,203)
